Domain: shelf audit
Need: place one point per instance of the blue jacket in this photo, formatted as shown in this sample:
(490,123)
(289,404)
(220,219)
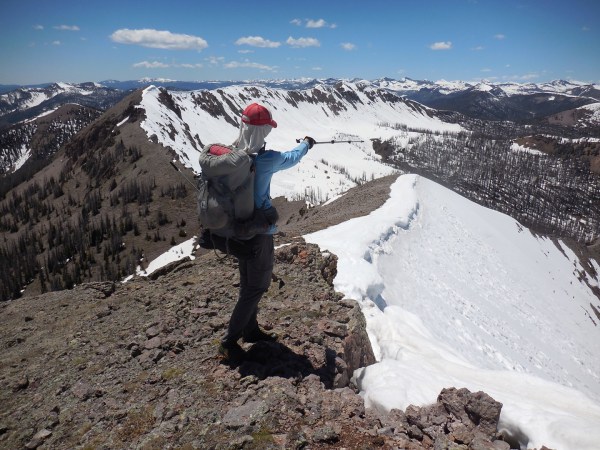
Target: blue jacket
(268,163)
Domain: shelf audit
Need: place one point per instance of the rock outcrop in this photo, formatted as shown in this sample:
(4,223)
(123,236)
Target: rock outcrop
(134,365)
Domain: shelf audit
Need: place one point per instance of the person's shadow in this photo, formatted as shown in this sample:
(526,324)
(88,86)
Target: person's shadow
(273,359)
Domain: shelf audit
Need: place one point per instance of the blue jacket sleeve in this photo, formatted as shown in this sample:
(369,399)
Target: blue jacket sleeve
(285,160)
(267,164)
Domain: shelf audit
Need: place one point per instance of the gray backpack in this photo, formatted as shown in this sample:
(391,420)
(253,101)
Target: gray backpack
(226,190)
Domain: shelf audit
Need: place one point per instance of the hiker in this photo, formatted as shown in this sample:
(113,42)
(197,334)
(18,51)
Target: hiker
(256,269)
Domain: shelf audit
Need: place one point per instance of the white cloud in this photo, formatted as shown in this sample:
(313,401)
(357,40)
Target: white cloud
(56,42)
(319,23)
(486,70)
(478,48)
(249,65)
(303,42)
(585,28)
(151,65)
(441,45)
(317,69)
(38,27)
(348,46)
(159,39)
(257,41)
(499,36)
(527,76)
(312,23)
(190,66)
(67,27)
(215,60)
(245,51)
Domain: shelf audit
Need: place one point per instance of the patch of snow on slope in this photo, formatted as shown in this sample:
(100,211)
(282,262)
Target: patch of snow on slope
(25,154)
(175,253)
(521,148)
(36,99)
(595,109)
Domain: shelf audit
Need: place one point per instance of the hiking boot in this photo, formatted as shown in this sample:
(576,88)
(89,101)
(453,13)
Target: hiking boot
(259,335)
(231,352)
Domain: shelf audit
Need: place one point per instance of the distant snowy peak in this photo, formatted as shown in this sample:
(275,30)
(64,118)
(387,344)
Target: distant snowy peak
(404,86)
(28,97)
(445,87)
(490,100)
(27,103)
(450,86)
(483,87)
(490,89)
(564,84)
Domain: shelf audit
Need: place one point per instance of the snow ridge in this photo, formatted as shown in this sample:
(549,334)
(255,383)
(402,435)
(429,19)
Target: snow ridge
(346,112)
(464,296)
(375,233)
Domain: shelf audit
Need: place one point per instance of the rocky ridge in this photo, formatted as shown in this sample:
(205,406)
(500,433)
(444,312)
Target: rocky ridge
(133,366)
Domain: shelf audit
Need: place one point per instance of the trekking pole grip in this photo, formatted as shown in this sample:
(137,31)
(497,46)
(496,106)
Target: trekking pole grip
(333,141)
(318,142)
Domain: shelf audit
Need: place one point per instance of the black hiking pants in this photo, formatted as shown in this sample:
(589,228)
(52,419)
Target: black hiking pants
(255,278)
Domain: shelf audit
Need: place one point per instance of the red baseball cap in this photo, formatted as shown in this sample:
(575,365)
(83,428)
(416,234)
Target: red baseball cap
(256,114)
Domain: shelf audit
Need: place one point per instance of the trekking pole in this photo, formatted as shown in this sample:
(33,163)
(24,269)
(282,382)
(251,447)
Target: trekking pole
(333,141)
(184,177)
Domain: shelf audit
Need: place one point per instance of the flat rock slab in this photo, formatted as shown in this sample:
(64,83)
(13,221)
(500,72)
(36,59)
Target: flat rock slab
(247,414)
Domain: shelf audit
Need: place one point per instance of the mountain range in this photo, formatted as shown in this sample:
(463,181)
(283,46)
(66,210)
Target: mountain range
(98,176)
(88,194)
(517,101)
(559,102)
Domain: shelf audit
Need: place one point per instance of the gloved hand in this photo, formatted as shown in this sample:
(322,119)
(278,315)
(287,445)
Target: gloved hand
(310,141)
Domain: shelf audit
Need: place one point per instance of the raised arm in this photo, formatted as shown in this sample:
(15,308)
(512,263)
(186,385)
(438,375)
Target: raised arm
(285,160)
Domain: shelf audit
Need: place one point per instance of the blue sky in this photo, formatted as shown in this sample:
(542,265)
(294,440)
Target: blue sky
(509,40)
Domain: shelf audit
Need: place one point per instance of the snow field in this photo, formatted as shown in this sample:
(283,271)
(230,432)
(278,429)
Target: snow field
(459,295)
